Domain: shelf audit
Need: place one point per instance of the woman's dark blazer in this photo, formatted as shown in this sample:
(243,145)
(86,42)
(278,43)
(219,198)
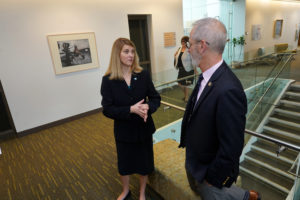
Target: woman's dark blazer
(117,98)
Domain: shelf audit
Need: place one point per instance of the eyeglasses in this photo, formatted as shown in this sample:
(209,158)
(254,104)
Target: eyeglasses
(188,44)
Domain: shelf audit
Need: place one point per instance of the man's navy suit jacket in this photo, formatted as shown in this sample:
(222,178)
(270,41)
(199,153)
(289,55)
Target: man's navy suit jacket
(213,132)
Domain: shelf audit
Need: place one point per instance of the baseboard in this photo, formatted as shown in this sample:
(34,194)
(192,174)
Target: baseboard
(7,134)
(58,122)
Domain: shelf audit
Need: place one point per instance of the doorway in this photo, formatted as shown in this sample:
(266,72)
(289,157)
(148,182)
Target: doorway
(138,30)
(6,124)
(299,38)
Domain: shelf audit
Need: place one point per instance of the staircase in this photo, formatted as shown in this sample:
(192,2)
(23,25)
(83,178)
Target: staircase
(262,169)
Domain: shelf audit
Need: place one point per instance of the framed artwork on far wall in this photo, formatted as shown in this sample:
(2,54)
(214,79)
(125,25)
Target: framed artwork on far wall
(73,52)
(278,28)
(256,32)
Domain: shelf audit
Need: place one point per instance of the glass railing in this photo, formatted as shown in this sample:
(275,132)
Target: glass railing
(296,192)
(262,84)
(256,78)
(266,166)
(262,96)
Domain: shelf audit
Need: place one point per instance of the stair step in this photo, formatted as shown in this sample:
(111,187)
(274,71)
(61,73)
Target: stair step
(283,128)
(290,103)
(293,98)
(287,112)
(271,147)
(265,180)
(273,170)
(281,137)
(272,154)
(266,191)
(269,161)
(288,107)
(286,118)
(285,123)
(293,94)
(268,171)
(289,134)
(295,87)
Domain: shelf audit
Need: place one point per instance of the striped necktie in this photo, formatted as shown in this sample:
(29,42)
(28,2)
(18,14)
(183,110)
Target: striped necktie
(196,90)
(194,97)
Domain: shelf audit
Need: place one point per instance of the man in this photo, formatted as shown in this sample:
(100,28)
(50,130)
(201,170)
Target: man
(214,121)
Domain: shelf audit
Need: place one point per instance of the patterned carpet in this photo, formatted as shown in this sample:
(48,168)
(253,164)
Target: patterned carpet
(76,160)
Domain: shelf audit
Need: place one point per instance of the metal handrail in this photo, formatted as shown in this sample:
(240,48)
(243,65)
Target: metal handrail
(288,52)
(180,79)
(274,140)
(265,137)
(173,106)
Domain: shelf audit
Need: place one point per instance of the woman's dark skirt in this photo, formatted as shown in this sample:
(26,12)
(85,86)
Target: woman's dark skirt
(182,73)
(135,158)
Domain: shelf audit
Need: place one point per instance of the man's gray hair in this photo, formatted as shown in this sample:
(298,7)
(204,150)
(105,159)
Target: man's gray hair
(212,31)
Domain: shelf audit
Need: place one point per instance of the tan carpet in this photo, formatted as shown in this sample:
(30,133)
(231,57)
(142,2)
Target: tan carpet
(76,160)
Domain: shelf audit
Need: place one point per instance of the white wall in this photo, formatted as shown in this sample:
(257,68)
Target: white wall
(232,14)
(37,96)
(238,29)
(265,12)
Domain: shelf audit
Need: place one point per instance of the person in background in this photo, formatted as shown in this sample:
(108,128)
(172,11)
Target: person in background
(183,62)
(214,121)
(129,98)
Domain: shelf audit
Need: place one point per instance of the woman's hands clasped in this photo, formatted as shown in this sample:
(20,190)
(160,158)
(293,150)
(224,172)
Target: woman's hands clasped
(141,109)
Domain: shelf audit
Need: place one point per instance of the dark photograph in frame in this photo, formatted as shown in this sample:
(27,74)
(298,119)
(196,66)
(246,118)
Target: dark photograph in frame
(73,52)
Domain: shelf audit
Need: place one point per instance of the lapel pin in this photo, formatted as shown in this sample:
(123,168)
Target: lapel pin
(134,78)
(209,84)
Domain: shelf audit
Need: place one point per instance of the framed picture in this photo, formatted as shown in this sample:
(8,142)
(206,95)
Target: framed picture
(256,32)
(278,28)
(73,52)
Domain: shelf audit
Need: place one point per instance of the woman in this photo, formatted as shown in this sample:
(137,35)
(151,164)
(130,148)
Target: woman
(183,62)
(129,97)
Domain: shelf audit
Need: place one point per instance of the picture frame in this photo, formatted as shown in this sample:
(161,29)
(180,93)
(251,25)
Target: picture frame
(256,32)
(73,52)
(278,28)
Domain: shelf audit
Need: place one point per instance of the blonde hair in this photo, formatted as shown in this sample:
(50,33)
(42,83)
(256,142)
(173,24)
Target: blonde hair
(114,68)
